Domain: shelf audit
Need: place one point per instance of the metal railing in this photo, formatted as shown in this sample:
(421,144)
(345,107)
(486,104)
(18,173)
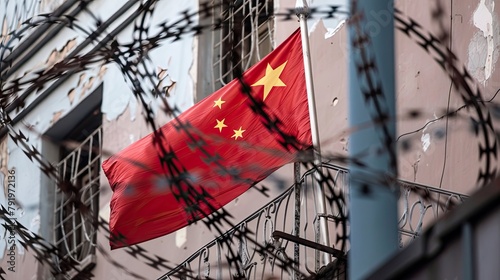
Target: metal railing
(419,205)
(261,256)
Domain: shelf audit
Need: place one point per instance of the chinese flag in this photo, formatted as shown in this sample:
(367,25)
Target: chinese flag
(225,149)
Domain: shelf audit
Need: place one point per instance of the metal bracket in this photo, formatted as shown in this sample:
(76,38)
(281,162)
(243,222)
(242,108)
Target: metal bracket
(334,252)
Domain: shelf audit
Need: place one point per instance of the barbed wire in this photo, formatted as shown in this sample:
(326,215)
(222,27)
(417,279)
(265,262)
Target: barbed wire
(137,68)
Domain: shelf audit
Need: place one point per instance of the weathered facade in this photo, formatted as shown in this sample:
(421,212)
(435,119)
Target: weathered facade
(439,153)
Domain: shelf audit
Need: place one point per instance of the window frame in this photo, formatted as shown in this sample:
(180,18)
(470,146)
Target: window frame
(75,231)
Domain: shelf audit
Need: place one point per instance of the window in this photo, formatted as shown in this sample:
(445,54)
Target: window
(75,231)
(246,30)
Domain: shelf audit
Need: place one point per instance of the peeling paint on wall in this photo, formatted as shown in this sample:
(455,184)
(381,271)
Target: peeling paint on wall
(84,85)
(13,13)
(58,55)
(426,141)
(56,116)
(483,48)
(180,237)
(166,84)
(333,24)
(172,65)
(43,64)
(333,31)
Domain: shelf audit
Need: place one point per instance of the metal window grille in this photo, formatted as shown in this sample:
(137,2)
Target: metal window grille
(246,31)
(75,232)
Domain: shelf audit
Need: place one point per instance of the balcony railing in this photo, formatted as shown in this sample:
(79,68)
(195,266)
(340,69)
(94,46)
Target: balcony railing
(260,256)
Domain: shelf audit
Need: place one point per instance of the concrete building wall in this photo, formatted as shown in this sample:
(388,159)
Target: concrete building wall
(451,162)
(176,59)
(27,177)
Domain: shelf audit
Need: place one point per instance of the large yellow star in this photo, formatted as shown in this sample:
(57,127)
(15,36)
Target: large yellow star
(238,133)
(220,125)
(271,79)
(219,102)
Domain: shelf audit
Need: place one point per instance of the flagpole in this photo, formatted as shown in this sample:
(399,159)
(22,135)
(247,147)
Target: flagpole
(302,10)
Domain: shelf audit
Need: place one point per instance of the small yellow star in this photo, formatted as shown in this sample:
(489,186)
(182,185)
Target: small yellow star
(220,125)
(219,102)
(271,79)
(238,133)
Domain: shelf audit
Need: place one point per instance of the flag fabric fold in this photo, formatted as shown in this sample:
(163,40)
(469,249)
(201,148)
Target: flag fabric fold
(212,153)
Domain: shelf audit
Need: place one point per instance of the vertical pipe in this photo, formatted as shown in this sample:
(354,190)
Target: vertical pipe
(296,223)
(468,255)
(317,186)
(373,196)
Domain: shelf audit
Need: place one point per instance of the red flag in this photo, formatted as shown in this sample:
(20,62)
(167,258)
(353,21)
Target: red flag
(225,149)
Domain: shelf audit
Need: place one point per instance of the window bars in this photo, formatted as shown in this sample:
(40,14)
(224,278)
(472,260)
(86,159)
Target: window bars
(246,31)
(75,232)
